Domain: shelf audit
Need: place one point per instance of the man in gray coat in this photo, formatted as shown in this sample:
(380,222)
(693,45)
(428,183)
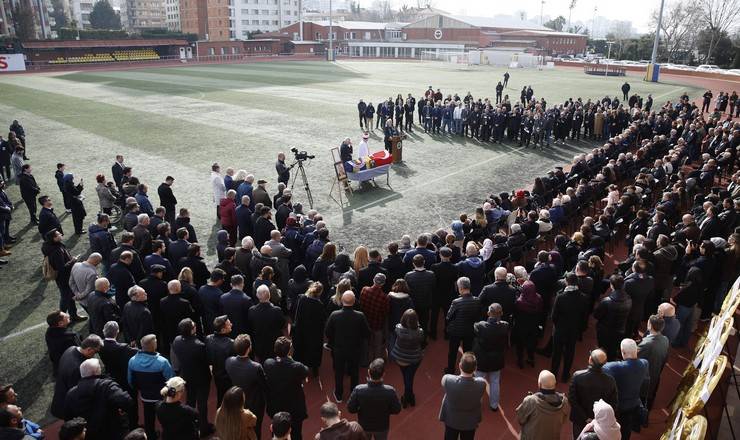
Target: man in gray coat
(461,407)
(83,276)
(654,348)
(283,254)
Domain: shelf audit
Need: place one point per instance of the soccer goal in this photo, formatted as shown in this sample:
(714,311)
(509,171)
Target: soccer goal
(450,58)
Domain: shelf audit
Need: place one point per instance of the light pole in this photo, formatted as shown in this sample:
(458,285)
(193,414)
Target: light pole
(608,54)
(593,22)
(331,45)
(542,7)
(657,34)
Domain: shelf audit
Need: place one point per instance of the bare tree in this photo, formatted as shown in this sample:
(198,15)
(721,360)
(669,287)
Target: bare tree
(678,28)
(620,31)
(718,16)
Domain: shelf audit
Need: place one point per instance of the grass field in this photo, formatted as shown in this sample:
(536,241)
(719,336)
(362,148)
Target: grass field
(179,120)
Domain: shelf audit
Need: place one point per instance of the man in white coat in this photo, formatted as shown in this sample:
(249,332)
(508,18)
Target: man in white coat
(364,149)
(219,189)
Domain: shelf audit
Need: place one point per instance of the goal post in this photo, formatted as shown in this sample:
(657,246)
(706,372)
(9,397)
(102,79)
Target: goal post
(452,58)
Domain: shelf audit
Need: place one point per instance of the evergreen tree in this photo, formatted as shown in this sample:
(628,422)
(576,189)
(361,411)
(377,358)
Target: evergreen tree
(104,17)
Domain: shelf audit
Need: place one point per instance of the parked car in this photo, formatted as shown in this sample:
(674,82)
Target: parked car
(708,68)
(735,72)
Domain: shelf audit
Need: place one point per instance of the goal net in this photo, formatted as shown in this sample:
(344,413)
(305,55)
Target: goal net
(453,58)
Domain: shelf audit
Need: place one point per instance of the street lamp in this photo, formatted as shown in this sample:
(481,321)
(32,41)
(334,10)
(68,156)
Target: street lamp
(608,55)
(331,45)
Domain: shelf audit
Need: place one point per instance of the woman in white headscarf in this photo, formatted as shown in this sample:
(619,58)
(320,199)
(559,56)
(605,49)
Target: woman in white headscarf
(486,252)
(604,426)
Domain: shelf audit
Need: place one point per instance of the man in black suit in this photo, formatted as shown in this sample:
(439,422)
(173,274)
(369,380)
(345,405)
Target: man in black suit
(193,361)
(167,199)
(499,292)
(266,324)
(101,308)
(250,377)
(115,357)
(374,267)
(117,171)
(445,275)
(126,243)
(136,318)
(59,337)
(219,347)
(48,220)
(710,227)
(174,309)
(421,283)
(393,264)
(588,386)
(121,278)
(29,190)
(464,312)
(69,371)
(346,330)
(285,378)
(374,402)
(263,227)
(567,313)
(236,304)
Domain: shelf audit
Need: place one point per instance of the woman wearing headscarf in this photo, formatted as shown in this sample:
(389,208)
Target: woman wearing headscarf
(73,192)
(486,252)
(604,426)
(222,242)
(308,327)
(527,312)
(342,266)
(297,285)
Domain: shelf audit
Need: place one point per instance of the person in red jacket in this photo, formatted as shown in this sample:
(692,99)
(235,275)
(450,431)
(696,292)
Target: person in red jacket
(227,212)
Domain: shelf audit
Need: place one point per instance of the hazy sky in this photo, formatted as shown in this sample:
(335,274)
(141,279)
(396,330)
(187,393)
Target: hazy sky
(637,11)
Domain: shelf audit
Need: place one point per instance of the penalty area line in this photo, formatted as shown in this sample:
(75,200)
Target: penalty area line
(22,332)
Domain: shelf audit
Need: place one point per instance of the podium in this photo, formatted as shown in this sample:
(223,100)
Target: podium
(397,148)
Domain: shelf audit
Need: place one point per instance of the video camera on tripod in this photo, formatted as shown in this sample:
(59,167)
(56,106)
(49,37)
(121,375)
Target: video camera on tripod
(301,155)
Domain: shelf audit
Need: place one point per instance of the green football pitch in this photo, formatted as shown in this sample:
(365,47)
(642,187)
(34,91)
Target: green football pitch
(179,120)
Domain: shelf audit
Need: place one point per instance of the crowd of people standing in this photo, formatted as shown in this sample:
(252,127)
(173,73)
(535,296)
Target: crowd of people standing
(526,268)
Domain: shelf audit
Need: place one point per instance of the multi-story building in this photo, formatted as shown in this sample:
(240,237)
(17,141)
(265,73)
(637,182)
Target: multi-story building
(209,19)
(172,15)
(145,14)
(262,15)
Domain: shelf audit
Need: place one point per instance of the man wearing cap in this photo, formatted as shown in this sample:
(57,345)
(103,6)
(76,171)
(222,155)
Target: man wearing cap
(283,171)
(167,199)
(375,304)
(260,195)
(364,150)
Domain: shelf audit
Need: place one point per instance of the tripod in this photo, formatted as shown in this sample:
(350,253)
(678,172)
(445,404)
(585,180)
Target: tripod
(304,179)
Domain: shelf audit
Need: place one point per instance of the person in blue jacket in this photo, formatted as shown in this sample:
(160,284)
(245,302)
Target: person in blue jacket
(148,371)
(631,375)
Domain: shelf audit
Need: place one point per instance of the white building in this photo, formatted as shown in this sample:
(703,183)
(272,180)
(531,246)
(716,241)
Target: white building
(80,12)
(172,17)
(262,15)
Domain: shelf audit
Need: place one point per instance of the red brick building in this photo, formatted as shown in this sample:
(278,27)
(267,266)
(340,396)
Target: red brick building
(209,19)
(438,33)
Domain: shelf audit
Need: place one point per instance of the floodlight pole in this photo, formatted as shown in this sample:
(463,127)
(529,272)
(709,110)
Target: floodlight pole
(657,34)
(331,45)
(542,8)
(608,56)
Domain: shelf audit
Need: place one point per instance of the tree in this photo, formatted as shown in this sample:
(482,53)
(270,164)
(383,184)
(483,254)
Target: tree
(677,29)
(578,29)
(557,23)
(718,16)
(620,32)
(104,17)
(723,48)
(59,15)
(571,6)
(25,28)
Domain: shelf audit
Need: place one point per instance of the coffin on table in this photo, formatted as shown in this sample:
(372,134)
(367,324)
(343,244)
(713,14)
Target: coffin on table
(369,168)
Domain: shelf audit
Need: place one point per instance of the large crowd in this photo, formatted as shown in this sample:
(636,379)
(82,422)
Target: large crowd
(528,267)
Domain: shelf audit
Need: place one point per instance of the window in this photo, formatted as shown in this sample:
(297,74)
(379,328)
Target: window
(245,22)
(368,35)
(255,22)
(234,50)
(223,51)
(266,22)
(318,36)
(265,12)
(286,23)
(393,35)
(275,22)
(255,12)
(211,51)
(245,11)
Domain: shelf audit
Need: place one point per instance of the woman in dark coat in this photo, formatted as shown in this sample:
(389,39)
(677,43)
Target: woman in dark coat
(527,312)
(194,261)
(320,269)
(297,285)
(73,192)
(61,261)
(308,327)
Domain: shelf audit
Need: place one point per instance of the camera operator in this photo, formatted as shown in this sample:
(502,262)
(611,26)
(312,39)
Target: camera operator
(283,171)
